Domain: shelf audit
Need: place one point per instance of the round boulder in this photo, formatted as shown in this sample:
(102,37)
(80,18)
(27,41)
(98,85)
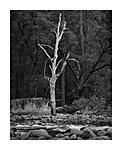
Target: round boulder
(39,133)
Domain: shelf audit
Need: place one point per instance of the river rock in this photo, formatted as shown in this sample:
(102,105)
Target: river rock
(61,129)
(109,134)
(59,135)
(87,133)
(105,138)
(100,133)
(76,132)
(73,137)
(39,133)
(66,137)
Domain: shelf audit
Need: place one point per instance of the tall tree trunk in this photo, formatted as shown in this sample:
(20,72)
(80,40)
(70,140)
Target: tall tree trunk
(52,95)
(81,32)
(84,67)
(63,87)
(52,98)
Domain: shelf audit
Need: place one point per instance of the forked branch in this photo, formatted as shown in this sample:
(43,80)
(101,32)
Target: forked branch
(58,63)
(45,51)
(63,65)
(64,28)
(47,46)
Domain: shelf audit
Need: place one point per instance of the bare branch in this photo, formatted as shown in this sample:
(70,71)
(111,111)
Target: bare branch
(58,63)
(45,52)
(45,77)
(95,65)
(55,33)
(106,65)
(78,63)
(67,55)
(97,62)
(64,64)
(64,28)
(59,23)
(77,81)
(45,68)
(47,46)
(50,68)
(74,60)
(58,38)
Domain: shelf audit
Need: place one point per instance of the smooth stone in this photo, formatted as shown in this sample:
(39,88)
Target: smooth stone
(59,135)
(76,131)
(66,137)
(73,137)
(39,133)
(105,138)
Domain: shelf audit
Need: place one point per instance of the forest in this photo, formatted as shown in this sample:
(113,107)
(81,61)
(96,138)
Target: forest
(61,74)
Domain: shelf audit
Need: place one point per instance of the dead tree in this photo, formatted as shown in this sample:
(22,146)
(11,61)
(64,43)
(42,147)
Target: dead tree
(54,64)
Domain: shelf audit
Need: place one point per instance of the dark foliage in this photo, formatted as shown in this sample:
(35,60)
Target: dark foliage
(89,40)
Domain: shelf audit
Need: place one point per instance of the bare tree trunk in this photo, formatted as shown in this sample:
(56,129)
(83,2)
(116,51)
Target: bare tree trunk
(55,64)
(52,97)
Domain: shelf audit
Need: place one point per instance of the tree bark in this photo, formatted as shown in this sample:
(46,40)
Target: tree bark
(81,32)
(52,95)
(63,87)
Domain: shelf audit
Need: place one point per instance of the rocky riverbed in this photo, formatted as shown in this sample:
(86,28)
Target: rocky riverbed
(60,127)
(55,132)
